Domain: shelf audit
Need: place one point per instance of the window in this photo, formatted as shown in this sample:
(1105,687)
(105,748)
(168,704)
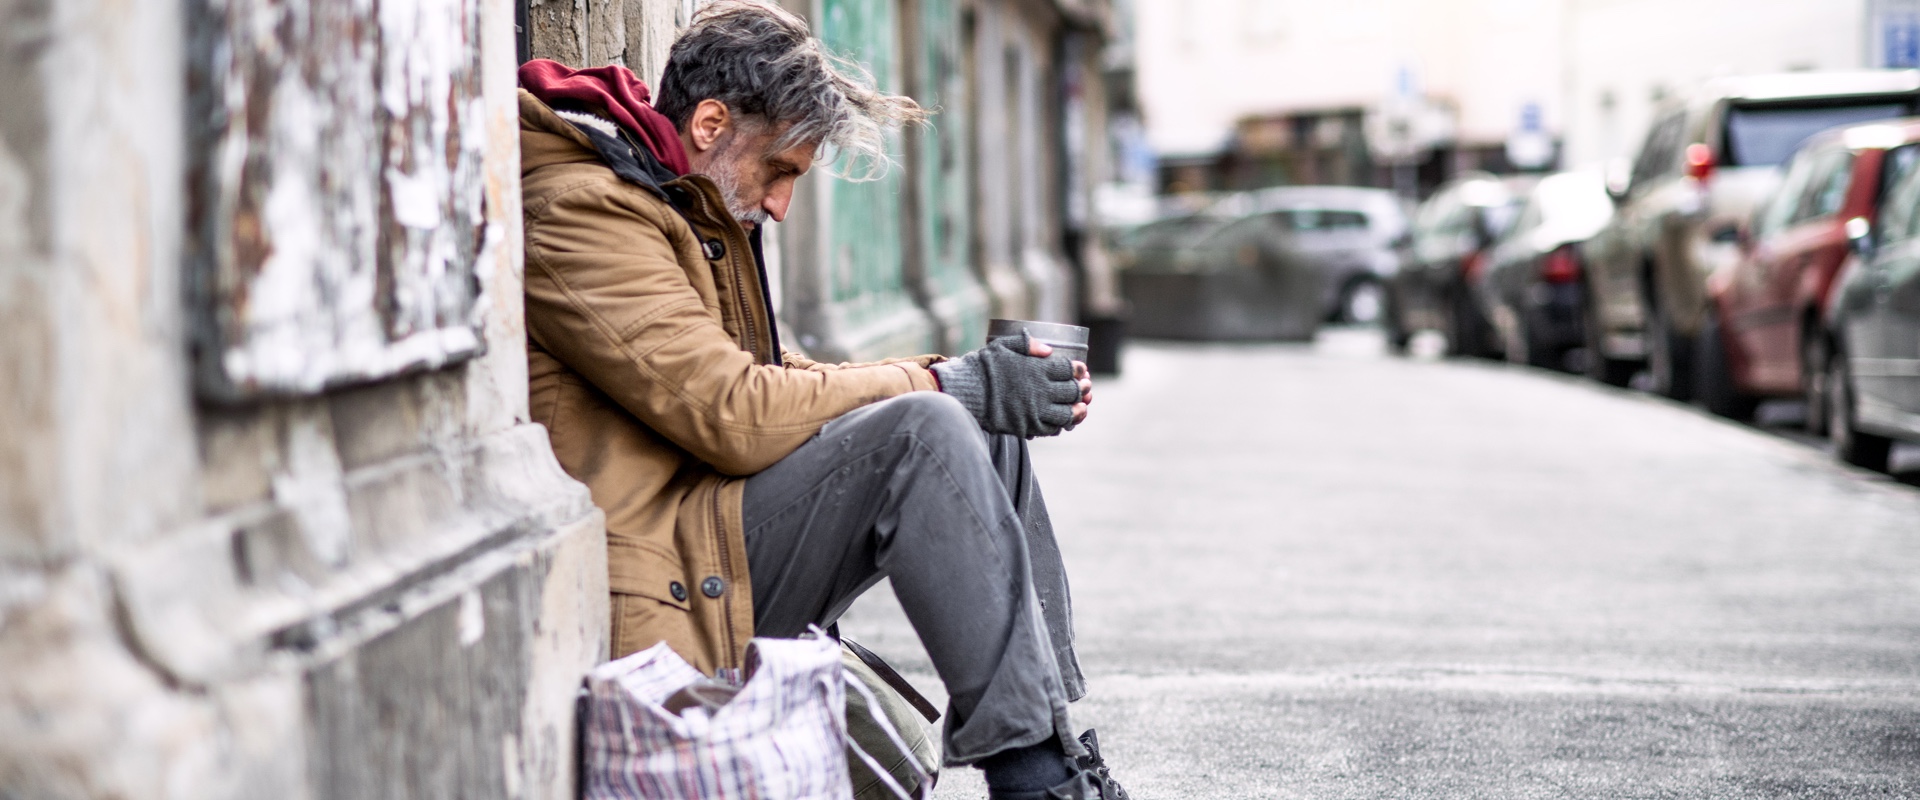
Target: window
(1531,217)
(1765,135)
(1779,211)
(1826,189)
(1661,152)
(1320,220)
(1900,173)
(1433,224)
(1496,220)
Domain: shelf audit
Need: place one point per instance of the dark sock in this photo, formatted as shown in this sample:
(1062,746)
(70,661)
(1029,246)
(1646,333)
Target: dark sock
(1034,768)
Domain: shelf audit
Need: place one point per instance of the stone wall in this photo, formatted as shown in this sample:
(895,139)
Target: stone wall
(377,583)
(589,33)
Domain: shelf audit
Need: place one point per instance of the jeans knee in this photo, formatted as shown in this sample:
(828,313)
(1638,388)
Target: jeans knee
(935,416)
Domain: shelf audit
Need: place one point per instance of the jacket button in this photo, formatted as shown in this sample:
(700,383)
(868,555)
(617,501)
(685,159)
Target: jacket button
(714,249)
(678,591)
(713,587)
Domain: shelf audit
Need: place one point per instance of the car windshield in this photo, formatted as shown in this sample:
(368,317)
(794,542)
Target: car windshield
(1765,135)
(1304,220)
(1175,233)
(1498,219)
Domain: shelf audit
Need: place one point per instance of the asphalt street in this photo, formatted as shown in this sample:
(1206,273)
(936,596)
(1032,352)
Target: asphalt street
(1325,572)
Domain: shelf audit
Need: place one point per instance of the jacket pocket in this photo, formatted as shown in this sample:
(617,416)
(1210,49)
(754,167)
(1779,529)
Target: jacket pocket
(651,598)
(640,622)
(644,570)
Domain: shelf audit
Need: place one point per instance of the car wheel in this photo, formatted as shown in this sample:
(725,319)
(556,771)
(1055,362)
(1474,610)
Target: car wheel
(1610,371)
(1813,382)
(1850,444)
(1713,375)
(1524,347)
(1468,333)
(1668,354)
(1394,324)
(1363,301)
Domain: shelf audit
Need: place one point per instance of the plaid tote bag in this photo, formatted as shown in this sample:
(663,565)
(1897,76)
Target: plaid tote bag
(657,729)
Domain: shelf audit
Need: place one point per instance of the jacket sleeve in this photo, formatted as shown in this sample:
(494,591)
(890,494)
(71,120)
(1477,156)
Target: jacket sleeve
(797,361)
(607,297)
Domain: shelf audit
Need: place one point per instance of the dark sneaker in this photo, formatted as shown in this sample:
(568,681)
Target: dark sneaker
(1092,781)
(1095,769)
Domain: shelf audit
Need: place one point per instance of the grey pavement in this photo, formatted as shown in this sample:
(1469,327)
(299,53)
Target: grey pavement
(1323,572)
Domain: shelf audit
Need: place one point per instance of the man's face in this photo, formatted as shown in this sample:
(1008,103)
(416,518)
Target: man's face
(757,183)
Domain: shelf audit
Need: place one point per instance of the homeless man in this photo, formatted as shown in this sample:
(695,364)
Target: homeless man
(749,490)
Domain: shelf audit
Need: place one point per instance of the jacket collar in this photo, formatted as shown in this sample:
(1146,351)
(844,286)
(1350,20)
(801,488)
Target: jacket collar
(633,163)
(695,197)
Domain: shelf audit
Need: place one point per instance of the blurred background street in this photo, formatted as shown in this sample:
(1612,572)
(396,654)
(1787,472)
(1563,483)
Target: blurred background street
(1323,571)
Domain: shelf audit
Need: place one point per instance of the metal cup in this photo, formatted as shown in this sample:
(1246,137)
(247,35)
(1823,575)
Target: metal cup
(1068,339)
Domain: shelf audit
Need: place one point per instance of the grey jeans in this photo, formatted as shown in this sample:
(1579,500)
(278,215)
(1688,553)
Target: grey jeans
(911,489)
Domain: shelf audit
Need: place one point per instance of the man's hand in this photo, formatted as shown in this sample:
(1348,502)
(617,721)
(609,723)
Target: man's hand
(1019,386)
(1041,349)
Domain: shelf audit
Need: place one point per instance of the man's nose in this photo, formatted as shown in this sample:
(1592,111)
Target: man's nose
(777,202)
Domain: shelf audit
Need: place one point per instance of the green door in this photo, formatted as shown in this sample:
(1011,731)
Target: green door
(869,312)
(943,265)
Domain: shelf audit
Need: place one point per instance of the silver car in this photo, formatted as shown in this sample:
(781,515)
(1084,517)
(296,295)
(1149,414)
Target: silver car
(1272,264)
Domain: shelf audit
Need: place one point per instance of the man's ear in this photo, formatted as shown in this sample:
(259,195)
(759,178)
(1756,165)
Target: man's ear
(709,122)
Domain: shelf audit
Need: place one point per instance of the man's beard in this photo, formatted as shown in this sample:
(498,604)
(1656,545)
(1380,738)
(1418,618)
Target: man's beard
(725,174)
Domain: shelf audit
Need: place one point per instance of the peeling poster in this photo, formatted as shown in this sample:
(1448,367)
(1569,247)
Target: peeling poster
(338,195)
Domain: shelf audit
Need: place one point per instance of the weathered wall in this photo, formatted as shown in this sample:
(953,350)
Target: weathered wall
(591,33)
(939,171)
(1019,195)
(844,249)
(381,591)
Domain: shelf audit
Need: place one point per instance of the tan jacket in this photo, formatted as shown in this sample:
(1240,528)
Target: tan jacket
(651,360)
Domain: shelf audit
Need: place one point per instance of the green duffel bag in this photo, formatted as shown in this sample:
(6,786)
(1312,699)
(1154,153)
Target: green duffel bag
(905,711)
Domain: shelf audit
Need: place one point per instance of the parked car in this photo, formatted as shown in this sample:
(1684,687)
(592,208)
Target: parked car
(1447,247)
(1272,264)
(1705,165)
(1533,286)
(1349,234)
(1872,346)
(1160,241)
(1763,335)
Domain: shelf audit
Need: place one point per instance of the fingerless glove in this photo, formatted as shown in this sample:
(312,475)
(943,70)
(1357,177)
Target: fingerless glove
(1009,390)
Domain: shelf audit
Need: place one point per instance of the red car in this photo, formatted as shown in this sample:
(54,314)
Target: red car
(1762,336)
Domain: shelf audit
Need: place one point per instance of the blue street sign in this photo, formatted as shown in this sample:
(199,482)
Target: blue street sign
(1901,37)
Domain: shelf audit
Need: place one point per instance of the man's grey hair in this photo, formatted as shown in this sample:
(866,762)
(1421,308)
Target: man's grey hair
(763,63)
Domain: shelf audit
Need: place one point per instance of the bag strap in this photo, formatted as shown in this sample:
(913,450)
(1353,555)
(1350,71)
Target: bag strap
(886,726)
(893,679)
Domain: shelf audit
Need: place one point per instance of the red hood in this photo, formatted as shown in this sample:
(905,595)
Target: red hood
(615,90)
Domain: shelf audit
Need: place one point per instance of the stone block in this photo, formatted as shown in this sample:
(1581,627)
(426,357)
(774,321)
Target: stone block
(394,505)
(271,552)
(239,455)
(470,695)
(431,709)
(80,716)
(384,421)
(557,30)
(28,454)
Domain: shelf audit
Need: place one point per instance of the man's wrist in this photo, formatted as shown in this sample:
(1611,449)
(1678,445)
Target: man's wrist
(961,380)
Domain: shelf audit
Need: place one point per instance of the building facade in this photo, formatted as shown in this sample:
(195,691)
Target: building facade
(1442,87)
(275,523)
(273,520)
